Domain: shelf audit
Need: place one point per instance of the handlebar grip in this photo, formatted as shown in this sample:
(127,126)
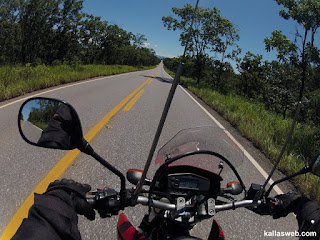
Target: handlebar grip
(106,201)
(90,196)
(243,203)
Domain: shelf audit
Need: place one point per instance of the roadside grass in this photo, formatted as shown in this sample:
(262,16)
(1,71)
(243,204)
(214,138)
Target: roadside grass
(267,131)
(18,80)
(41,125)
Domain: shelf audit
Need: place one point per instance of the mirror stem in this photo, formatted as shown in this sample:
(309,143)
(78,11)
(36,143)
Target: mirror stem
(86,148)
(259,194)
(304,170)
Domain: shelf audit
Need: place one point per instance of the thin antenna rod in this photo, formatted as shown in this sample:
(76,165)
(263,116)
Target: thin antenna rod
(165,110)
(282,151)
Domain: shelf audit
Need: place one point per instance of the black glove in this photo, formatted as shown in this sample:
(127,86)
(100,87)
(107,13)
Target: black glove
(309,217)
(72,193)
(287,203)
(266,208)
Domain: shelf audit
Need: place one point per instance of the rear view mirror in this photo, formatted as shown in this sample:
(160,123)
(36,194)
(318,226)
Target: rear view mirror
(134,176)
(50,123)
(316,166)
(313,167)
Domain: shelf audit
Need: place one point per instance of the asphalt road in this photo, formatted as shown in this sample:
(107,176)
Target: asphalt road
(125,143)
(31,132)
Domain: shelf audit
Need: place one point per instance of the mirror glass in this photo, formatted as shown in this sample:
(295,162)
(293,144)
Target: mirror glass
(50,123)
(316,166)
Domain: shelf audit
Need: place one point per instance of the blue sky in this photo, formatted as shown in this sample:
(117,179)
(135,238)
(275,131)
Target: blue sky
(256,20)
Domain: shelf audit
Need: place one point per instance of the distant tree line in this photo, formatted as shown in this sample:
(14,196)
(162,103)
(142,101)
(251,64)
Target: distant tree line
(277,84)
(43,113)
(58,31)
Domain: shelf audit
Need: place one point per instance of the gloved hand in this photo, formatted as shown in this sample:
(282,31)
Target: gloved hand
(309,217)
(72,193)
(266,208)
(287,203)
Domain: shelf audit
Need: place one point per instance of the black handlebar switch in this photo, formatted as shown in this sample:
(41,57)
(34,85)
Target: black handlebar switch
(254,188)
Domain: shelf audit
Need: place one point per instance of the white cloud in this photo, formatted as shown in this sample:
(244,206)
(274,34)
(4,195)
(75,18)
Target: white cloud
(145,44)
(155,46)
(164,54)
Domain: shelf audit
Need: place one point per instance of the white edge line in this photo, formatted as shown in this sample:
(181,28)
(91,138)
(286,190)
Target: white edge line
(252,160)
(71,85)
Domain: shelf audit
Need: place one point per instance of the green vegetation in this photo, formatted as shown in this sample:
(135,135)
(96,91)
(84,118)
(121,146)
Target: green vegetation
(41,115)
(55,32)
(15,81)
(45,43)
(210,32)
(266,130)
(40,125)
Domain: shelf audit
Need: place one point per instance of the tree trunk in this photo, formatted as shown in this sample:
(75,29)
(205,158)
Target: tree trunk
(199,68)
(218,85)
(304,66)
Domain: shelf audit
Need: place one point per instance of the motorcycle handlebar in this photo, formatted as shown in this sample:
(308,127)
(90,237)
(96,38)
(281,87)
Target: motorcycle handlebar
(155,203)
(163,205)
(234,205)
(218,208)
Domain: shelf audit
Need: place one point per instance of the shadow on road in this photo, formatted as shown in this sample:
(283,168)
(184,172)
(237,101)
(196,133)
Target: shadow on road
(161,79)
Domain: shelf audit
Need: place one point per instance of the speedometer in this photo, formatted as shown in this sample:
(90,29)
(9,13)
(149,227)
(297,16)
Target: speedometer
(188,183)
(185,182)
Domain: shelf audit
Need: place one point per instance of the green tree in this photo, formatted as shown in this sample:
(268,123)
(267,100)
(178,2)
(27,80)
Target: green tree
(92,33)
(286,50)
(43,112)
(10,32)
(115,38)
(206,33)
(279,87)
(220,72)
(228,38)
(139,39)
(68,31)
(252,74)
(37,20)
(58,31)
(307,14)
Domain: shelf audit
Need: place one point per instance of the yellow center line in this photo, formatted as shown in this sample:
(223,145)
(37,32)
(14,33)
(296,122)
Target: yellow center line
(57,171)
(22,125)
(135,98)
(133,101)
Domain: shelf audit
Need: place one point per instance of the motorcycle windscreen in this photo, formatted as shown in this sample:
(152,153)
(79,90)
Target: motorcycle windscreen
(207,138)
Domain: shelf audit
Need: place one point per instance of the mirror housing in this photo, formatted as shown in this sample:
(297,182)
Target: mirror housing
(50,123)
(316,165)
(134,176)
